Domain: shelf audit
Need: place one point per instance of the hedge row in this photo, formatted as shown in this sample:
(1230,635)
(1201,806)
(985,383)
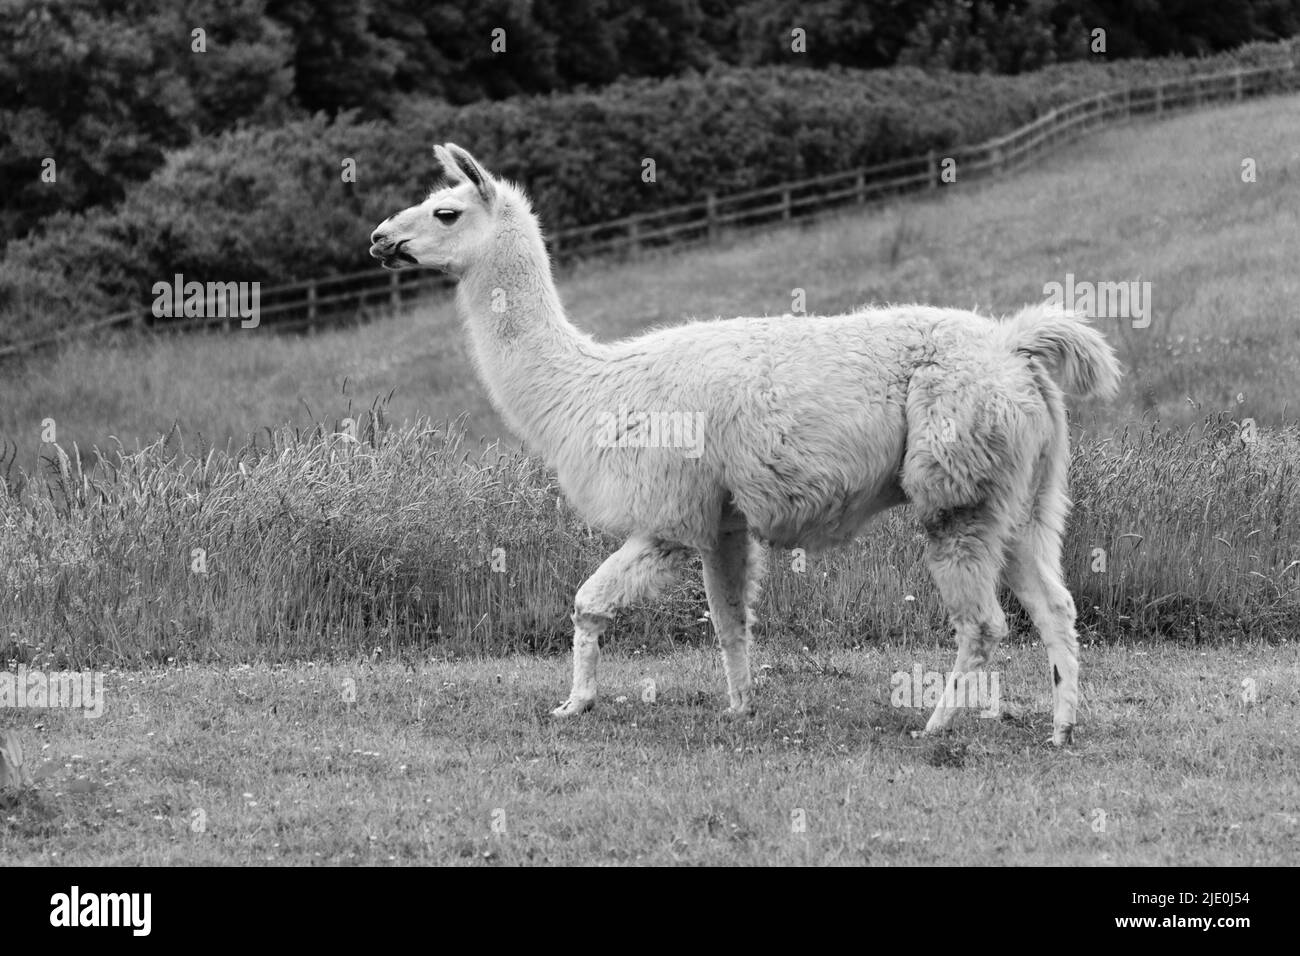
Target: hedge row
(270,204)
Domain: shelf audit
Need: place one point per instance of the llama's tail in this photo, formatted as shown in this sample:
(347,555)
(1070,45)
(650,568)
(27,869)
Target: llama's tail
(1079,357)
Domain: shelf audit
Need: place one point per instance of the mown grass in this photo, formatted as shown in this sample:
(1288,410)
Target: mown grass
(316,545)
(1129,203)
(440,762)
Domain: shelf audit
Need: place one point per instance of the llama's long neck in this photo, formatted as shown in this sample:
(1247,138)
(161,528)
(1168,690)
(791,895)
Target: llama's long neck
(528,352)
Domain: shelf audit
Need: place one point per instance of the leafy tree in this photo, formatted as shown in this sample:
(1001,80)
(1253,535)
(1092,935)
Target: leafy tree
(340,61)
(104,87)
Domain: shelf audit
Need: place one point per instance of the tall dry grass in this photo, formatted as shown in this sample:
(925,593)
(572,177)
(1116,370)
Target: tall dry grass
(401,541)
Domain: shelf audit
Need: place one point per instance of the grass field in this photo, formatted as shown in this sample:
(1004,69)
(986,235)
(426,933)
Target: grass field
(1130,203)
(274,765)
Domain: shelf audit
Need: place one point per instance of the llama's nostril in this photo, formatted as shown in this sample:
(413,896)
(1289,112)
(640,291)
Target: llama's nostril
(378,238)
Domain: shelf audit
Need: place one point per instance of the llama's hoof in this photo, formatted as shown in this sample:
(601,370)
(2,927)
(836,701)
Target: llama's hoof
(930,732)
(1063,735)
(573,706)
(1006,710)
(741,712)
(935,725)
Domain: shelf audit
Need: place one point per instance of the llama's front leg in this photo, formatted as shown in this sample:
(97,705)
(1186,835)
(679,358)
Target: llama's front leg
(731,573)
(632,574)
(586,655)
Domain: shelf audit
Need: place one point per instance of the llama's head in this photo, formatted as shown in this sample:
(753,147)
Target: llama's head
(451,229)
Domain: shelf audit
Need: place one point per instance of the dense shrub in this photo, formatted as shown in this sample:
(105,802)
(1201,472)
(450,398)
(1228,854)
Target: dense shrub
(105,87)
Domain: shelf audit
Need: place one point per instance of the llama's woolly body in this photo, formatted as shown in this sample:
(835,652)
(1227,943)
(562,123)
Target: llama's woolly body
(811,424)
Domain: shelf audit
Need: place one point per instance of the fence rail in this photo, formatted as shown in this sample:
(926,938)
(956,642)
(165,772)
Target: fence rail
(312,303)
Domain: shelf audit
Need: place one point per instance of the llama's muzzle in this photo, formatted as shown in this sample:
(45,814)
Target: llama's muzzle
(389,253)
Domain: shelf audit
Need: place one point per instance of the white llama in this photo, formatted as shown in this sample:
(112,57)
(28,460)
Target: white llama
(811,425)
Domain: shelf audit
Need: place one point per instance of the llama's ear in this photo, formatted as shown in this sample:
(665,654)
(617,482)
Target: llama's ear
(450,171)
(469,169)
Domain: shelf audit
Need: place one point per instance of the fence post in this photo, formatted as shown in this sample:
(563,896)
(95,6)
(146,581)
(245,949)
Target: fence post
(785,204)
(932,163)
(860,188)
(1160,98)
(394,289)
(311,301)
(711,214)
(1236,85)
(634,238)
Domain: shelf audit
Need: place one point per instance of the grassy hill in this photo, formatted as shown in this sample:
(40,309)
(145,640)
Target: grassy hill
(1162,202)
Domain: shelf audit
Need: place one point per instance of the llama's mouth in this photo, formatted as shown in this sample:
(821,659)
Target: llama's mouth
(398,260)
(392,257)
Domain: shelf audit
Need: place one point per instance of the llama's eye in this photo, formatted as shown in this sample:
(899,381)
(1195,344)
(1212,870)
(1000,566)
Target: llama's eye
(447,216)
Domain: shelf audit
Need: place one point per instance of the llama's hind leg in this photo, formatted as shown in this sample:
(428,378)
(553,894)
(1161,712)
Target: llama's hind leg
(1034,575)
(632,574)
(731,575)
(964,551)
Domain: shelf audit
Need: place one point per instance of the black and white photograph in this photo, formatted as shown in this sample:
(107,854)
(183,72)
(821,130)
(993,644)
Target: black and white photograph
(690,433)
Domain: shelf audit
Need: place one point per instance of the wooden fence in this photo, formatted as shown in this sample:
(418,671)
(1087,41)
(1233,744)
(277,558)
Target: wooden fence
(357,296)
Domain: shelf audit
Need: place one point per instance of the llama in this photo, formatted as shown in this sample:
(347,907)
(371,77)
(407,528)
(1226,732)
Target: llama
(811,426)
